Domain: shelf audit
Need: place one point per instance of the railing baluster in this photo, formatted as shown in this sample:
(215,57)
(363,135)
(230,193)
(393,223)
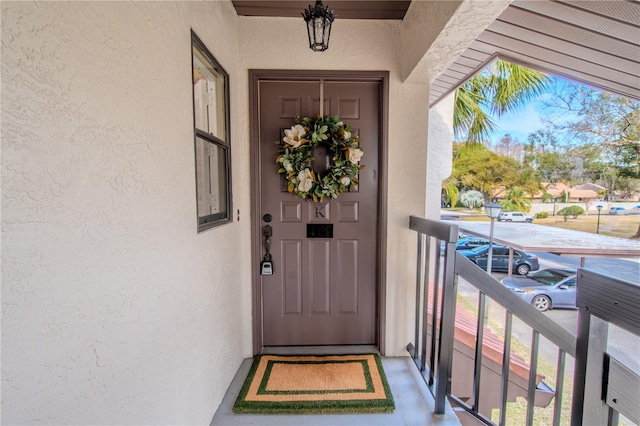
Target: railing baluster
(477,370)
(434,324)
(418,287)
(425,304)
(533,368)
(506,360)
(557,406)
(613,418)
(447,329)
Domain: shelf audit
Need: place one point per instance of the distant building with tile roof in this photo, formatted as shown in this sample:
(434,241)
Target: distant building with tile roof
(586,192)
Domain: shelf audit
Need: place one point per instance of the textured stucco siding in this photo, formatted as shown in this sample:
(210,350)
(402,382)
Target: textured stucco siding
(439,153)
(114,310)
(434,33)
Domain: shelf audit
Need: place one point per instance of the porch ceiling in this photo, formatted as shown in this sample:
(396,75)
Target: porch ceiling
(593,42)
(345,9)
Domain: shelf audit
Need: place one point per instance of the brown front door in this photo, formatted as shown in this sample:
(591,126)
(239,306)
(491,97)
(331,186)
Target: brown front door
(323,291)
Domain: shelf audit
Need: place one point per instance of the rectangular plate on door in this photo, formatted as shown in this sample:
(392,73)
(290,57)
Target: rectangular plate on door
(319,230)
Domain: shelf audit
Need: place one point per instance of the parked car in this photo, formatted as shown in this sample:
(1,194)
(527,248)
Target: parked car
(634,210)
(546,289)
(462,239)
(514,217)
(618,211)
(470,242)
(523,262)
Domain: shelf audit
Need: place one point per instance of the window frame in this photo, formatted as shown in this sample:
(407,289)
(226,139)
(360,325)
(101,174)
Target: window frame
(208,221)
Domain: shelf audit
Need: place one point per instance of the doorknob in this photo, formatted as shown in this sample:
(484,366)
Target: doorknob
(266,266)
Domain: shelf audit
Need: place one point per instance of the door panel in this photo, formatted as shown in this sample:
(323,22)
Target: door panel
(292,278)
(566,297)
(323,290)
(482,261)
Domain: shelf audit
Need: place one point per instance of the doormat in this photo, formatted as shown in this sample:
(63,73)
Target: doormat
(281,384)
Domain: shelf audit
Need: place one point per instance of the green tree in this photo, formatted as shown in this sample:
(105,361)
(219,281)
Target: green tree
(608,127)
(475,167)
(503,87)
(451,192)
(547,198)
(516,200)
(573,211)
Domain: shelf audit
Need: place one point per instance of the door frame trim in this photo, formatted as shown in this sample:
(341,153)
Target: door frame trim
(255,77)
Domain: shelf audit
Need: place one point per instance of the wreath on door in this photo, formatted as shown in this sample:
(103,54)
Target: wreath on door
(296,156)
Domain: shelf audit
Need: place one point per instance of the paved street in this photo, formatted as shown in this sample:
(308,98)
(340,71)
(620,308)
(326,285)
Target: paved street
(621,344)
(624,269)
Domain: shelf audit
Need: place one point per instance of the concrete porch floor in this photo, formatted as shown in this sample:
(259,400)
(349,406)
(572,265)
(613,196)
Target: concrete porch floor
(414,404)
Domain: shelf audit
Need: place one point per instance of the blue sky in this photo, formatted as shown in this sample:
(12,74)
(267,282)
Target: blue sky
(527,119)
(520,123)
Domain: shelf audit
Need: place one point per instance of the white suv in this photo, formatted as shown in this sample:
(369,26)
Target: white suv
(514,217)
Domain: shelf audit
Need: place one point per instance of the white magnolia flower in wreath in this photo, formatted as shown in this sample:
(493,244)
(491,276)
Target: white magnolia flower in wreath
(295,157)
(294,136)
(306,180)
(355,154)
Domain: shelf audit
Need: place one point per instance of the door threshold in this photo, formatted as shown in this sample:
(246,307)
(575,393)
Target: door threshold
(320,350)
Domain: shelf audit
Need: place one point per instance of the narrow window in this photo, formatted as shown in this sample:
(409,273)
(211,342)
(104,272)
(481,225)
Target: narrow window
(212,144)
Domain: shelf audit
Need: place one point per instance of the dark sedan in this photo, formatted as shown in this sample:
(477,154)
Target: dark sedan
(523,262)
(468,243)
(546,289)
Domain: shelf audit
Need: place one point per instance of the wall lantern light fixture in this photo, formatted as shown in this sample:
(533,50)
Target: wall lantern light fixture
(319,19)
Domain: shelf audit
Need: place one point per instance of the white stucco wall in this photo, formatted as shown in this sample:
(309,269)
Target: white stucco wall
(420,29)
(435,33)
(114,310)
(439,152)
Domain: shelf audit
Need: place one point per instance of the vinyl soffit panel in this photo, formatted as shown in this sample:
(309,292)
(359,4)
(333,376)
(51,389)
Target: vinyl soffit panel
(621,10)
(623,48)
(561,45)
(589,66)
(461,68)
(468,62)
(579,17)
(591,42)
(454,74)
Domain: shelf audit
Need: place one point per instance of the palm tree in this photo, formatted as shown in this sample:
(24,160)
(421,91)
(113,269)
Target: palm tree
(451,191)
(516,201)
(499,89)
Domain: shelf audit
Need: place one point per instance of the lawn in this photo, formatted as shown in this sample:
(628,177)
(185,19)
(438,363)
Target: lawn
(613,226)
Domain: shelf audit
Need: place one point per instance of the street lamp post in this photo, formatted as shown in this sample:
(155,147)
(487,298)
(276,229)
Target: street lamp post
(599,208)
(493,210)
